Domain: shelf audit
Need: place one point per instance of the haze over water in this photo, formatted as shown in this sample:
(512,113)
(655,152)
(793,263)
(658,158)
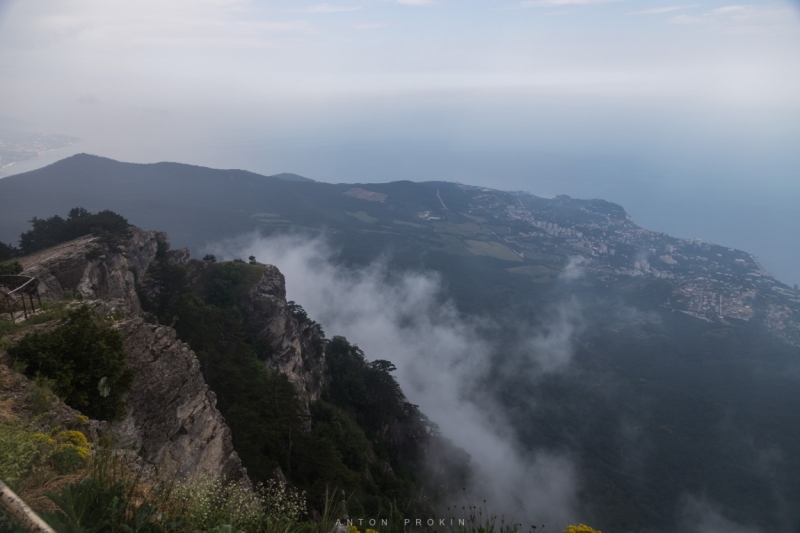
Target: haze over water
(688,115)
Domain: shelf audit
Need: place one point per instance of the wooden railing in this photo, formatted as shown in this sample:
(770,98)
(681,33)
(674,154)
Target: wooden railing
(14,289)
(19,510)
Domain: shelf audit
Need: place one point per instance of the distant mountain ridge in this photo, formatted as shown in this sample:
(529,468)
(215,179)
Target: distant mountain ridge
(288,176)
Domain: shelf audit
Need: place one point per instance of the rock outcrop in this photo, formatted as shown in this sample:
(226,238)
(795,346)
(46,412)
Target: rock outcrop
(95,268)
(173,419)
(297,342)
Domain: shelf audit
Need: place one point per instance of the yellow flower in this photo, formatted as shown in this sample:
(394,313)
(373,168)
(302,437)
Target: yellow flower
(81,451)
(83,419)
(73,442)
(72,437)
(581,528)
(41,438)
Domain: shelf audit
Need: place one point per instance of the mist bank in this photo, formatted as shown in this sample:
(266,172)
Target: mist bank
(442,363)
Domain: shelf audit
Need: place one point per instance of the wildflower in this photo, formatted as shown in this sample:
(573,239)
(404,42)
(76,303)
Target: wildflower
(581,528)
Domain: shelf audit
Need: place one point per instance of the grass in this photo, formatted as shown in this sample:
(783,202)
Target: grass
(467,229)
(104,492)
(404,223)
(363,217)
(533,270)
(493,249)
(451,244)
(48,311)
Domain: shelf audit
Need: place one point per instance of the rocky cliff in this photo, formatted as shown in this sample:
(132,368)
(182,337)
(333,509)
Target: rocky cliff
(297,342)
(95,268)
(172,420)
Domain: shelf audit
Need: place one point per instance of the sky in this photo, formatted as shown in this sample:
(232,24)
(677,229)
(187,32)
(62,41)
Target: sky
(686,113)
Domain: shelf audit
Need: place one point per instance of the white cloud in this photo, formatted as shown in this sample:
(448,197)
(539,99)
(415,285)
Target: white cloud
(743,17)
(370,26)
(698,515)
(574,268)
(660,10)
(88,99)
(327,8)
(686,19)
(180,24)
(551,347)
(416,2)
(556,3)
(728,9)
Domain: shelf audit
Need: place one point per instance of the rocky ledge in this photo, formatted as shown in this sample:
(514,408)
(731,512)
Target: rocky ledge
(297,342)
(95,269)
(173,419)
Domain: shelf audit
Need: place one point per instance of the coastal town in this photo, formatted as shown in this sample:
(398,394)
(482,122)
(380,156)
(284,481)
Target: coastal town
(19,146)
(708,281)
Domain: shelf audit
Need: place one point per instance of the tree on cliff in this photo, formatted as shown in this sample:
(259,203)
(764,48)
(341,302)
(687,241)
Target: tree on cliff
(48,232)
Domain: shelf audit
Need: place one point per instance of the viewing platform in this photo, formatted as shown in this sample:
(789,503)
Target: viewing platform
(13,292)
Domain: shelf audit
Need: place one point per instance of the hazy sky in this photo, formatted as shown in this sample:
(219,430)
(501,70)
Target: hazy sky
(213,53)
(687,113)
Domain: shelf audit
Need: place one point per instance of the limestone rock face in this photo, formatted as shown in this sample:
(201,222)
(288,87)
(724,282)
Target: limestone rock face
(179,257)
(94,268)
(297,342)
(173,419)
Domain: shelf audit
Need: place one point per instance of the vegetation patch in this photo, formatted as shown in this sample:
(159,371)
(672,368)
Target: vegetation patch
(467,229)
(453,245)
(492,249)
(404,223)
(533,270)
(10,268)
(363,217)
(85,360)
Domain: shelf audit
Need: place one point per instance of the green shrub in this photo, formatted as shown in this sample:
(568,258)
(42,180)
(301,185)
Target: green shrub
(40,393)
(11,268)
(71,452)
(86,362)
(20,447)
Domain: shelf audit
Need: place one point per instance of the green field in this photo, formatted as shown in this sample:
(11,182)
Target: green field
(492,249)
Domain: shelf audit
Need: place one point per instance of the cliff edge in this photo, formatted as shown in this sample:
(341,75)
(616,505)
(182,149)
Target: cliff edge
(172,419)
